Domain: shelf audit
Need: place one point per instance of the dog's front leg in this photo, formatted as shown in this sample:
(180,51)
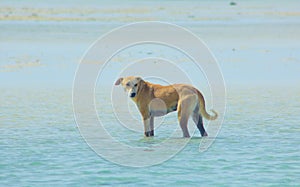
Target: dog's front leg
(152,126)
(149,126)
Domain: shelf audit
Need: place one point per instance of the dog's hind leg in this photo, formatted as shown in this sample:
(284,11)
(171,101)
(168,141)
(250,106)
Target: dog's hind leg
(185,109)
(199,122)
(183,120)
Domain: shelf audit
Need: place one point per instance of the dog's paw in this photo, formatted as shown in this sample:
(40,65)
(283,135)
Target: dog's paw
(149,133)
(204,134)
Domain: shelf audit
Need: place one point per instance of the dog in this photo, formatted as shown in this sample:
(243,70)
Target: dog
(156,100)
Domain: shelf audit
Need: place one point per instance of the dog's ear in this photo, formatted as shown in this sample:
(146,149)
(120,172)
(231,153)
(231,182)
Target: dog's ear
(118,82)
(139,79)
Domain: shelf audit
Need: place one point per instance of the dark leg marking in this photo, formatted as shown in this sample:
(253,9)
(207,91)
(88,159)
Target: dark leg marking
(149,133)
(201,127)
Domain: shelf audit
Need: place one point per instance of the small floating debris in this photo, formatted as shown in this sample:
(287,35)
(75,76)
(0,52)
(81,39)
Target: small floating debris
(232,3)
(148,150)
(34,15)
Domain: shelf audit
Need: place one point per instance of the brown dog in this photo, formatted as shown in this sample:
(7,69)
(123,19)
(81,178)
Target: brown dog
(157,100)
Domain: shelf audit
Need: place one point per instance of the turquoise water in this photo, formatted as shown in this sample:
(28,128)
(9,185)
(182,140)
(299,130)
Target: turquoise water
(255,43)
(257,145)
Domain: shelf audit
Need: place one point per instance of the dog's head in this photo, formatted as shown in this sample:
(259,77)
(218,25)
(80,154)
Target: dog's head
(130,84)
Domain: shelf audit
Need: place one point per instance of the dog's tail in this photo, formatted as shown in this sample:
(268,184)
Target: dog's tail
(203,111)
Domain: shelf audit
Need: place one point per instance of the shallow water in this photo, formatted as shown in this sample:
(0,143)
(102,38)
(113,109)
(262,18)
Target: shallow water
(256,43)
(257,145)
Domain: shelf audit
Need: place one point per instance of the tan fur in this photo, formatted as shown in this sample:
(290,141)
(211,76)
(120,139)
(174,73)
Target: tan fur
(156,100)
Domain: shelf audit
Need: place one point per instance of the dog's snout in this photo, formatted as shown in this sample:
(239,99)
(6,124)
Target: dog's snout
(132,94)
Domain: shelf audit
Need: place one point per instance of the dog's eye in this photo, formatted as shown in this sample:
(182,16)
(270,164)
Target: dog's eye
(135,85)
(128,84)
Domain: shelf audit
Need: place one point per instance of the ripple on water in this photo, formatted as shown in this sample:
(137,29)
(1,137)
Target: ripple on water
(254,147)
